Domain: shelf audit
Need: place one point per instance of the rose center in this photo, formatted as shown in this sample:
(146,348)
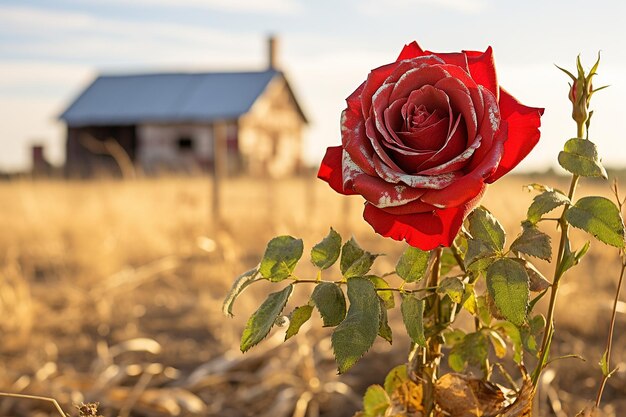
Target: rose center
(415,117)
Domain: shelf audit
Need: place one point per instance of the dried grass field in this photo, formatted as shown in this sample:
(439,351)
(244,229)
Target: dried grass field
(111,291)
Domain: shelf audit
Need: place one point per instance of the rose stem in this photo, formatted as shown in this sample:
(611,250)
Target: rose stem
(609,340)
(549,328)
(433,347)
(459,260)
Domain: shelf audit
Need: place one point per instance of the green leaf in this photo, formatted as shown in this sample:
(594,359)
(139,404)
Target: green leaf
(533,186)
(499,345)
(571,259)
(507,282)
(536,281)
(469,299)
(413,264)
(395,378)
(600,217)
(355,262)
(263,319)
(512,333)
(531,332)
(476,251)
(453,287)
(545,203)
(484,312)
(280,259)
(240,284)
(356,334)
(413,316)
(452,337)
(385,296)
(376,401)
(534,243)
(384,330)
(485,227)
(325,253)
(472,350)
(580,157)
(604,364)
(297,318)
(538,297)
(456,361)
(567,72)
(330,302)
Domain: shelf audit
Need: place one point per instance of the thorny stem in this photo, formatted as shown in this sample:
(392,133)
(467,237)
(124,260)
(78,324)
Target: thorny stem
(433,346)
(548,331)
(609,340)
(36,398)
(456,252)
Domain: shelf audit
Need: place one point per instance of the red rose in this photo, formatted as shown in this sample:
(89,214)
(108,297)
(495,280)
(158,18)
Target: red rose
(421,138)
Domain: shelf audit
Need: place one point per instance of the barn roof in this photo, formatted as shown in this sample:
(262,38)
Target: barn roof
(168,97)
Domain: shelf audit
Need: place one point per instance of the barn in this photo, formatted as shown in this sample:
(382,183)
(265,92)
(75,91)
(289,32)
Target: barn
(242,122)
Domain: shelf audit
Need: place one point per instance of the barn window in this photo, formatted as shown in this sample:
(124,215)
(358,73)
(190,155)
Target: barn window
(185,143)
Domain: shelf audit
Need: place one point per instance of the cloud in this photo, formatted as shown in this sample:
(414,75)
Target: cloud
(281,7)
(82,37)
(15,72)
(377,7)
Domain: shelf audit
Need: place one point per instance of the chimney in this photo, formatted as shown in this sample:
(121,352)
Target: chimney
(272,51)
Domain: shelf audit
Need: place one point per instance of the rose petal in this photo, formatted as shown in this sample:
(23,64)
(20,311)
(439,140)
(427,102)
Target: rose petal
(410,64)
(523,127)
(383,194)
(455,145)
(422,230)
(489,126)
(471,85)
(417,78)
(453,58)
(380,153)
(417,206)
(355,142)
(467,187)
(433,99)
(455,163)
(434,182)
(374,81)
(331,170)
(354,99)
(429,138)
(410,161)
(393,119)
(483,70)
(349,171)
(461,102)
(411,50)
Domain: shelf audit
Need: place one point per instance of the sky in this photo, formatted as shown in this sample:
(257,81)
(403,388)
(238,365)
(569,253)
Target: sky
(51,50)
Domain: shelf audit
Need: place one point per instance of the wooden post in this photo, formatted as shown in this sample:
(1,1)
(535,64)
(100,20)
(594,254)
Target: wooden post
(220,165)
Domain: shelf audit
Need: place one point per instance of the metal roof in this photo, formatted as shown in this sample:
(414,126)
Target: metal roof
(169,97)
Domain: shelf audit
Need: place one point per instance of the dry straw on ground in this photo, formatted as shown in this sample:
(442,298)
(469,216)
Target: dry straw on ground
(111,292)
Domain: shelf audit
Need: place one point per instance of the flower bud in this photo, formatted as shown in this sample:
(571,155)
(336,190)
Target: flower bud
(580,100)
(581,90)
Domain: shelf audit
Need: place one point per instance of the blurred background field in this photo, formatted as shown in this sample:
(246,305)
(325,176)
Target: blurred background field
(111,291)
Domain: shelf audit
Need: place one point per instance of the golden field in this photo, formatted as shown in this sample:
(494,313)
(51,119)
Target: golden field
(111,291)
